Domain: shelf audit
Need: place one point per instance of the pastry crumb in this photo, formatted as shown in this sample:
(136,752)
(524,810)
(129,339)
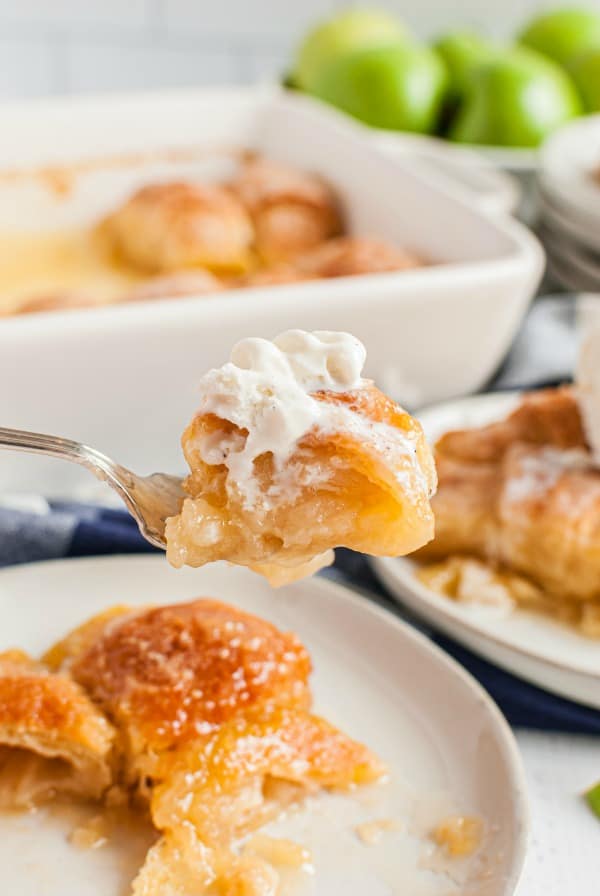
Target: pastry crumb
(91,834)
(279,851)
(371,832)
(459,835)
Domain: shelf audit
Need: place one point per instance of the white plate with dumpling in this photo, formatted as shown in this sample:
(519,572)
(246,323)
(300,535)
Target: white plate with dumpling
(447,747)
(535,647)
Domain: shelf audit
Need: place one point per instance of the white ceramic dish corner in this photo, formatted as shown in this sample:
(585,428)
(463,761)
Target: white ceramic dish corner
(523,162)
(124,379)
(493,190)
(531,646)
(446,744)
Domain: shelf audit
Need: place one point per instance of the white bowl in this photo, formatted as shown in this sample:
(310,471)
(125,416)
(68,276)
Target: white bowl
(124,378)
(530,645)
(446,745)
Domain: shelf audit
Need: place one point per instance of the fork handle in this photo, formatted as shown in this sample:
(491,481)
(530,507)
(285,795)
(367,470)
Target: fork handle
(38,443)
(55,446)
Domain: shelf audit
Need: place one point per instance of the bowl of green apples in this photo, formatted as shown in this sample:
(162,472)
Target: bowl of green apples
(505,99)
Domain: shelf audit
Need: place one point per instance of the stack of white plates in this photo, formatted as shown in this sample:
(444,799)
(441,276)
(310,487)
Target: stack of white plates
(569,204)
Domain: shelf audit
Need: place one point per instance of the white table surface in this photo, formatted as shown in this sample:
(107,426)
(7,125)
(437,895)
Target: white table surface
(564,852)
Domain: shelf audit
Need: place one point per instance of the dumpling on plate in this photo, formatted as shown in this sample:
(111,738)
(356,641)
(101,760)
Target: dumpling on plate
(521,496)
(293,453)
(167,675)
(212,706)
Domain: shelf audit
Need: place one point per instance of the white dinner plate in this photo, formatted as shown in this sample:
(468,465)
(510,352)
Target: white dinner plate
(530,645)
(447,747)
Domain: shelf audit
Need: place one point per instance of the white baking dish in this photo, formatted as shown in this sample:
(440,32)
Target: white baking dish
(124,378)
(492,189)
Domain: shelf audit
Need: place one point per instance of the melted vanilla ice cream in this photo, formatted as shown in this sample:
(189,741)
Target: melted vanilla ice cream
(588,372)
(266,389)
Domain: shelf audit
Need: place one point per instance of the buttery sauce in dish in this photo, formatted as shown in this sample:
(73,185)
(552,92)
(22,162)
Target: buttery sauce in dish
(266,224)
(38,267)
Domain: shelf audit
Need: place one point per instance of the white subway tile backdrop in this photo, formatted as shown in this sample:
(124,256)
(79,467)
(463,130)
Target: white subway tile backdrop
(52,46)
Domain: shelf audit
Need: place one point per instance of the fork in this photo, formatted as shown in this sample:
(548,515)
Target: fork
(149,499)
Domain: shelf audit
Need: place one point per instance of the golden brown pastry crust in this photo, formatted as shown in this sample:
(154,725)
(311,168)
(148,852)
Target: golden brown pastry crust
(349,256)
(172,674)
(173,226)
(266,752)
(48,716)
(522,493)
(292,210)
(549,518)
(278,275)
(365,488)
(177,285)
(279,754)
(548,417)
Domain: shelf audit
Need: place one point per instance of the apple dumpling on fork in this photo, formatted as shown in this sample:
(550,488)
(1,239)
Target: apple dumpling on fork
(293,453)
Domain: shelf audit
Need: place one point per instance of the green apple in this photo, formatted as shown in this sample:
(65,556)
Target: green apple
(563,34)
(516,99)
(461,51)
(353,29)
(585,71)
(399,87)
